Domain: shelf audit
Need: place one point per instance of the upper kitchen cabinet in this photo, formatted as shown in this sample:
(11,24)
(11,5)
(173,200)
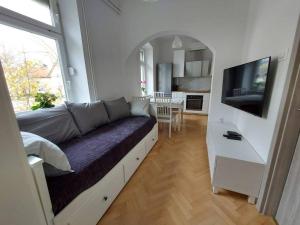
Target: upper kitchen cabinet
(197,68)
(193,69)
(198,63)
(178,63)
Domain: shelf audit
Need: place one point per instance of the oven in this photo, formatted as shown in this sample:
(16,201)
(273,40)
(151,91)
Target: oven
(194,103)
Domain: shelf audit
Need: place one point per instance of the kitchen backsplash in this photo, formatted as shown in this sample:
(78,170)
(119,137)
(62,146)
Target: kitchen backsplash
(187,83)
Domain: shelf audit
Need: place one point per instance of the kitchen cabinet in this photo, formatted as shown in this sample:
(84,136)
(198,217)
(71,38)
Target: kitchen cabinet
(193,69)
(205,68)
(197,68)
(178,63)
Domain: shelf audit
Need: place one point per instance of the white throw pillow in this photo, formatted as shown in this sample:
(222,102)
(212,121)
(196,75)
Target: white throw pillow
(49,152)
(140,107)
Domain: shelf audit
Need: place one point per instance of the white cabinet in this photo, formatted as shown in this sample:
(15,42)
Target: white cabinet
(234,165)
(178,63)
(151,139)
(178,95)
(134,159)
(194,69)
(205,106)
(197,68)
(98,200)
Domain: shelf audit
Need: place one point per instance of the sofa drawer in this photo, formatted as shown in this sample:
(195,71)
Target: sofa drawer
(134,159)
(151,139)
(104,192)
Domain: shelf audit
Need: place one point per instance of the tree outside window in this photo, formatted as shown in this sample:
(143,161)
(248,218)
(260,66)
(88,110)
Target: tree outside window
(31,65)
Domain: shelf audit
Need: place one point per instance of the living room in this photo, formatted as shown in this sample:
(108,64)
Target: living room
(93,49)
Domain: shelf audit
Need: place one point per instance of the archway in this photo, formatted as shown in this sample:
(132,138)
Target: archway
(133,61)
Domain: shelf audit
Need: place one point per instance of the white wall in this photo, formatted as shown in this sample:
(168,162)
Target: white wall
(104,33)
(218,24)
(270,32)
(93,39)
(81,86)
(19,202)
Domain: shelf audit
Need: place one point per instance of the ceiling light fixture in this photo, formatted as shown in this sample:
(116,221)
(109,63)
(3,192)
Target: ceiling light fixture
(177,43)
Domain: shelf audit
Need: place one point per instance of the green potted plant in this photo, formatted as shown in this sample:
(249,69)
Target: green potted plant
(44,100)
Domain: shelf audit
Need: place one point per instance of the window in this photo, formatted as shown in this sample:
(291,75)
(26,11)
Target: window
(142,63)
(146,68)
(36,9)
(31,55)
(30,65)
(143,71)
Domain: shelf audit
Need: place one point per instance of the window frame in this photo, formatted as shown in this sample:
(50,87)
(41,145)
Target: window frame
(142,64)
(25,23)
(54,11)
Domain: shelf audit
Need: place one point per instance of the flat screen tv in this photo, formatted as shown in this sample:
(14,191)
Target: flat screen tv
(245,86)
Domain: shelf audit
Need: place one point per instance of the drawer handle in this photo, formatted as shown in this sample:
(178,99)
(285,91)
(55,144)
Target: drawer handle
(105,198)
(153,139)
(137,158)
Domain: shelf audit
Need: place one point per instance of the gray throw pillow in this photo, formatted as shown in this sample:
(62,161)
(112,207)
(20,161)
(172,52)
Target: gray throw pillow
(88,116)
(117,109)
(54,124)
(140,107)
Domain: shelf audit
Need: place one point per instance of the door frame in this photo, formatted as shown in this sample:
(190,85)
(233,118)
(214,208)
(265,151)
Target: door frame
(286,136)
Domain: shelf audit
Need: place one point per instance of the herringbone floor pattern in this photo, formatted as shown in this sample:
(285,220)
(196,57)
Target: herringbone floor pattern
(172,187)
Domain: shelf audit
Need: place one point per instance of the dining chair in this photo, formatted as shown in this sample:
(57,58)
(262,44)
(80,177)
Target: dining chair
(158,94)
(165,114)
(178,96)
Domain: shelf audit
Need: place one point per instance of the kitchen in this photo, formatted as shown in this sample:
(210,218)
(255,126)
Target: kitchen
(182,68)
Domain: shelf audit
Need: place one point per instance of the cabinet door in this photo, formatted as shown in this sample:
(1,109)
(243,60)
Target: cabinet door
(205,68)
(103,194)
(193,69)
(133,160)
(151,139)
(178,61)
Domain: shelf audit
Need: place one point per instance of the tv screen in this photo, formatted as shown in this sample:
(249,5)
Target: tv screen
(245,86)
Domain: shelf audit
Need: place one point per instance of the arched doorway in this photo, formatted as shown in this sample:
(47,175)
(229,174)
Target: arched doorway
(160,49)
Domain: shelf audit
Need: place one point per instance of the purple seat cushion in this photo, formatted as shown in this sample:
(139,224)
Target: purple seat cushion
(92,156)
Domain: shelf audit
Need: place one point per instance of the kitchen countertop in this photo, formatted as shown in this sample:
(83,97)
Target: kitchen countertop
(194,91)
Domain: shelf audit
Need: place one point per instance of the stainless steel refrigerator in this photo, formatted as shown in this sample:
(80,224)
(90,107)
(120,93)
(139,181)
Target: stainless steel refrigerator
(164,77)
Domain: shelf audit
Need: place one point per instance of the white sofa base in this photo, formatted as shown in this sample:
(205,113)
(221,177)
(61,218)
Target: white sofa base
(90,205)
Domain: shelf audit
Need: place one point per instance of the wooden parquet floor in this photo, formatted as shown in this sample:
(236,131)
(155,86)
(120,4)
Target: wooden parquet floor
(172,187)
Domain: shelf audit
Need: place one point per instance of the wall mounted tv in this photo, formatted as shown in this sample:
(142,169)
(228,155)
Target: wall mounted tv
(245,86)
